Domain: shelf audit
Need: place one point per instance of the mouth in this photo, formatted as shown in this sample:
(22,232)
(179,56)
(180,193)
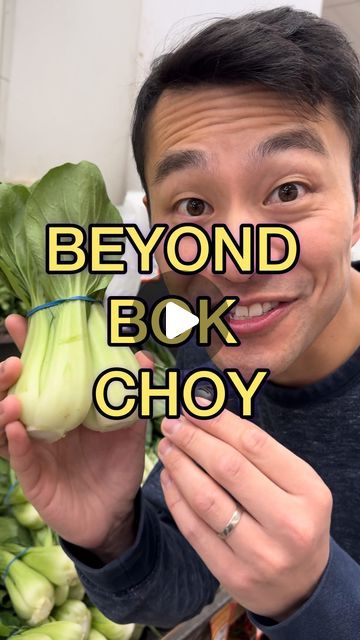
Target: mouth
(258,316)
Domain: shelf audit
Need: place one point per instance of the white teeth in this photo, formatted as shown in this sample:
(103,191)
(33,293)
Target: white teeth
(241,312)
(256,309)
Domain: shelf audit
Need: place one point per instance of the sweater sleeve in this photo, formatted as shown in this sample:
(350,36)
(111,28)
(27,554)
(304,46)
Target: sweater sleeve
(333,610)
(160,580)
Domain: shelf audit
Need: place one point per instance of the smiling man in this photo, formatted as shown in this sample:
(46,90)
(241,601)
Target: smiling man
(254,120)
(249,156)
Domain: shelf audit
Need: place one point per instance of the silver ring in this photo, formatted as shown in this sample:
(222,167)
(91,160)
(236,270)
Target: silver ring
(234,520)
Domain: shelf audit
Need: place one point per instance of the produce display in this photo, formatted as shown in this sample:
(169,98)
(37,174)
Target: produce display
(41,596)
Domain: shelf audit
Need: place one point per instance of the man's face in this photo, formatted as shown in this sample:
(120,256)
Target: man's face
(258,161)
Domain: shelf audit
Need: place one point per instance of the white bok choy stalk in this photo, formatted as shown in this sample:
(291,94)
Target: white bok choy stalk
(51,562)
(58,372)
(100,351)
(61,594)
(77,591)
(110,629)
(27,516)
(96,635)
(58,630)
(75,611)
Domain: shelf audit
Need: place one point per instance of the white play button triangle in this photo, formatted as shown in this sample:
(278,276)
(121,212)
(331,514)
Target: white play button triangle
(178,320)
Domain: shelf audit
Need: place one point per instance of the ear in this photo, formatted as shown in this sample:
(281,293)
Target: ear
(356,224)
(147,204)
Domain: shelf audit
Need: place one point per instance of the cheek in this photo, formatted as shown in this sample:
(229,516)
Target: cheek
(325,244)
(186,250)
(176,283)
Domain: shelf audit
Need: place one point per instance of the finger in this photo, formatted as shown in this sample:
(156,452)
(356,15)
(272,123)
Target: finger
(217,555)
(204,495)
(227,469)
(17,328)
(10,370)
(10,410)
(145,359)
(22,456)
(280,465)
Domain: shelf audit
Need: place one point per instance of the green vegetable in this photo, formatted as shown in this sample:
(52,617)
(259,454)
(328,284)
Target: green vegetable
(27,515)
(75,611)
(31,594)
(9,623)
(60,363)
(61,594)
(43,537)
(150,462)
(109,629)
(96,635)
(35,635)
(15,493)
(55,631)
(51,562)
(100,353)
(9,528)
(77,591)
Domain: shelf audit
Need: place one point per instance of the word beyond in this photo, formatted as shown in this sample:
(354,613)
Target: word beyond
(141,392)
(69,250)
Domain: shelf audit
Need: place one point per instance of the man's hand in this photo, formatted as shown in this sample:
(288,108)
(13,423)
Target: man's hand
(84,484)
(274,558)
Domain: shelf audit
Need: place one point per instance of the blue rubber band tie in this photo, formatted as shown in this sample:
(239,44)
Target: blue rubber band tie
(17,557)
(54,303)
(9,492)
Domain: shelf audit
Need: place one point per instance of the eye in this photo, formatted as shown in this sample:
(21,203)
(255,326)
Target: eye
(287,192)
(192,207)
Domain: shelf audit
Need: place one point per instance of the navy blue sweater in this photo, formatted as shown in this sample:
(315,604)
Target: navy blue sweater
(162,581)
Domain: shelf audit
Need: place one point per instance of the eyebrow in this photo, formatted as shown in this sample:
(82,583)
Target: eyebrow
(178,160)
(283,141)
(291,139)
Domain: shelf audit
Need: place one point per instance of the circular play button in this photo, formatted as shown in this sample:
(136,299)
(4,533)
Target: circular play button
(190,308)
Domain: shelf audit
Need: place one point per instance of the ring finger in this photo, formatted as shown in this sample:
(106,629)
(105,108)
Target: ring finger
(207,499)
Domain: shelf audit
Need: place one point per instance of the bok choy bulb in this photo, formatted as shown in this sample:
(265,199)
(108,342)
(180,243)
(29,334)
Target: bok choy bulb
(77,591)
(27,515)
(31,594)
(61,594)
(51,562)
(96,635)
(58,630)
(100,351)
(110,629)
(58,372)
(75,611)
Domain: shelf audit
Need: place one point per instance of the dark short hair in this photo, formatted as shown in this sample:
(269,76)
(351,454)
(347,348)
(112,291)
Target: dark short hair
(294,53)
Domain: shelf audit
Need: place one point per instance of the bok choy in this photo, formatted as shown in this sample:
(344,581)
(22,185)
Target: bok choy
(61,358)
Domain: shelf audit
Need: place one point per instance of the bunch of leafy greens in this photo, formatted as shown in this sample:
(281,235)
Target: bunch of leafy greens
(66,346)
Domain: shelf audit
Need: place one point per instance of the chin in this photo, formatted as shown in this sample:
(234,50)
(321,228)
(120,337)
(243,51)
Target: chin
(247,364)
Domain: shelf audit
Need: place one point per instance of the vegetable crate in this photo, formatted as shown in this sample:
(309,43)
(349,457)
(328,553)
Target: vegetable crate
(223,619)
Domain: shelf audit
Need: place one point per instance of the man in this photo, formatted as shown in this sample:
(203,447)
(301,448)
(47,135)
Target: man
(254,120)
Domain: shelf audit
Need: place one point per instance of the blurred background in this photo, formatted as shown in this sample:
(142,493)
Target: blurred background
(70,69)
